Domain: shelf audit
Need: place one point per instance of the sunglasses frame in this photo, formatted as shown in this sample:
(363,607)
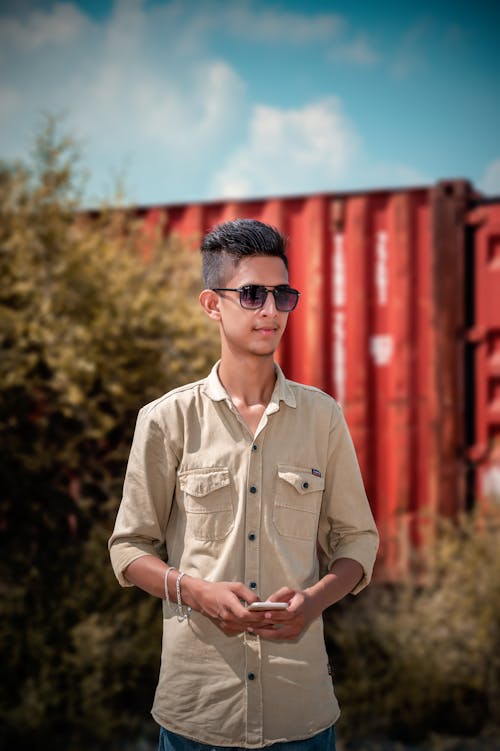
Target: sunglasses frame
(274,290)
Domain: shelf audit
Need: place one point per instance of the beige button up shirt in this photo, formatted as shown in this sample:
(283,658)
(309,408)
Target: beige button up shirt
(273,509)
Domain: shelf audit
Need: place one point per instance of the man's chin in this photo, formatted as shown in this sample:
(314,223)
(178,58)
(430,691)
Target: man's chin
(269,352)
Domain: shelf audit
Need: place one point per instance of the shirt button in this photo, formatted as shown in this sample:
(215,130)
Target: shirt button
(251,536)
(305,485)
(253,585)
(254,447)
(251,676)
(253,489)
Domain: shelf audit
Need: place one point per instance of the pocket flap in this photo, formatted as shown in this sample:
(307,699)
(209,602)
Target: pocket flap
(199,483)
(302,479)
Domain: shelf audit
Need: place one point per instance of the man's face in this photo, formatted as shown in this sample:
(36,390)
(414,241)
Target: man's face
(256,332)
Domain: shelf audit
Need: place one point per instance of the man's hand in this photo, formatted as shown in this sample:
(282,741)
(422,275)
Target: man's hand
(305,605)
(288,624)
(222,602)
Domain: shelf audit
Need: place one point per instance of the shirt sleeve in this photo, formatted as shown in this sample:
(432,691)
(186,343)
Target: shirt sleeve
(147,496)
(347,528)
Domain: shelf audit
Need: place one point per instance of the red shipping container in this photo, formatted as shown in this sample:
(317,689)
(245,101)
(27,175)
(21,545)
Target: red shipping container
(484,357)
(381,326)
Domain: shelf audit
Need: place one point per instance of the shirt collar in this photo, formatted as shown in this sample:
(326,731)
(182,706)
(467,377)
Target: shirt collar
(282,391)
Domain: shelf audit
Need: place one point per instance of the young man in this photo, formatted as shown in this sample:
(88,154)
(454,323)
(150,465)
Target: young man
(249,484)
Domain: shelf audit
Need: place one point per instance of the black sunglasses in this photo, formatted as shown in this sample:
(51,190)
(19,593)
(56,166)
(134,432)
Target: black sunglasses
(254,296)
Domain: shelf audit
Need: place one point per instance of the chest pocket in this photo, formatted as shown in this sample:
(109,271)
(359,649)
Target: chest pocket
(297,502)
(208,502)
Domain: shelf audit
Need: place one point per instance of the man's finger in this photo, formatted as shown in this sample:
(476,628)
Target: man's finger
(284,594)
(243,593)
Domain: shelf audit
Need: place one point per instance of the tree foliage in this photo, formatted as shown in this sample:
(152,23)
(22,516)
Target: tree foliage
(90,331)
(422,658)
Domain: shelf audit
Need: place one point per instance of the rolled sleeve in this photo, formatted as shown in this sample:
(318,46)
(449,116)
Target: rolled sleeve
(347,527)
(147,497)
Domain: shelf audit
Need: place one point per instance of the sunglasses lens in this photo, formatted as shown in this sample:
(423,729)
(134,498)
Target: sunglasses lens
(286,299)
(253,296)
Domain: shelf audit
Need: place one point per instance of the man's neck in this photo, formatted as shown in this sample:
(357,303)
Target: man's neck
(249,382)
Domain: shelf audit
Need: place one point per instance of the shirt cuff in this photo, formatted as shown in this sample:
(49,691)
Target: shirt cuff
(364,554)
(123,553)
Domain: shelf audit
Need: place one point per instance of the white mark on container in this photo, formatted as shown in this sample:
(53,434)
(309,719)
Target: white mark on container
(338,286)
(339,368)
(381,272)
(381,348)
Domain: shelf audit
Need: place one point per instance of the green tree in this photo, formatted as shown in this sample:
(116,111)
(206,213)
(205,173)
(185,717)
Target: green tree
(90,331)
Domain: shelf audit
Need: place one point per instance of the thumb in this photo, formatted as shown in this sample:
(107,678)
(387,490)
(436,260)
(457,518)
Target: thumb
(244,593)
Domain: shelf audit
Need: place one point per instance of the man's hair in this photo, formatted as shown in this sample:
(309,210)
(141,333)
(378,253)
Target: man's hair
(228,243)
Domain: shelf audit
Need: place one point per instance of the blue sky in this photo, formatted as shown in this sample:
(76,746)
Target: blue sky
(188,101)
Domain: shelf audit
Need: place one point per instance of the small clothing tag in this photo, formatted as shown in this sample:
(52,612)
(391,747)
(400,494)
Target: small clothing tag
(316,472)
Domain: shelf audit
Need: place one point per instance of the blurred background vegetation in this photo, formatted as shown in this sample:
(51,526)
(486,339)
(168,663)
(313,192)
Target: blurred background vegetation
(420,661)
(90,332)
(97,320)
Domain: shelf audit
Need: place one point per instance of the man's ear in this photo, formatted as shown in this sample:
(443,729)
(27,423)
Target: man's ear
(209,301)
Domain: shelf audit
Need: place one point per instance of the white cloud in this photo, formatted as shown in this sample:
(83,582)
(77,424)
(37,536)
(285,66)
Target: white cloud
(60,27)
(296,150)
(125,34)
(146,93)
(136,89)
(134,101)
(284,26)
(169,131)
(358,51)
(490,182)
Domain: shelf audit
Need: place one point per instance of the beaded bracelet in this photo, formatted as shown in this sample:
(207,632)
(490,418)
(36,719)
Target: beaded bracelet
(181,612)
(167,598)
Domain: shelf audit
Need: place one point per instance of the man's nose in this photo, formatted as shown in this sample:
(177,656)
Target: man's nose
(269,307)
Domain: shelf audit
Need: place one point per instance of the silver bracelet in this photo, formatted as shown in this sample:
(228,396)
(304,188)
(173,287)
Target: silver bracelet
(167,598)
(181,612)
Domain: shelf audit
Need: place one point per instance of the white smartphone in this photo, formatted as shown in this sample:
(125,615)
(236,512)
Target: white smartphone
(268,606)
